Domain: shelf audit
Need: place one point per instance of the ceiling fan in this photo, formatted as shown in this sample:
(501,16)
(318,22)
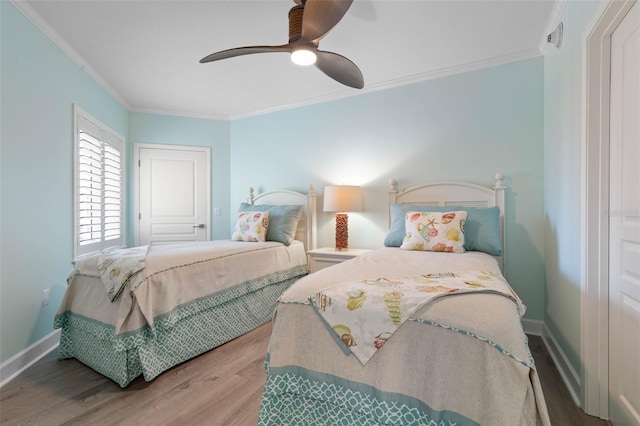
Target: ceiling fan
(309,22)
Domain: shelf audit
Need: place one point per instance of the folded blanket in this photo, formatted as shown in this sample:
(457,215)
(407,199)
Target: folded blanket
(364,314)
(118,266)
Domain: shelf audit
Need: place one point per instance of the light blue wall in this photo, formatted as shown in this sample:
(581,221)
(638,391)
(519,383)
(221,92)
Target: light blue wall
(464,127)
(467,126)
(170,130)
(563,74)
(39,85)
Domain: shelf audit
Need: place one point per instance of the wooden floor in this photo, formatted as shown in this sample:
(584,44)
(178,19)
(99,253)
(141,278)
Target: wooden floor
(221,387)
(562,409)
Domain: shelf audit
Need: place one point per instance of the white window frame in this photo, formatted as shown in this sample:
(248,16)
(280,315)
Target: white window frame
(84,121)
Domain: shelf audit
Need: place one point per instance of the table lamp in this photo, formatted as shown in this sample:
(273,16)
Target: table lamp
(342,199)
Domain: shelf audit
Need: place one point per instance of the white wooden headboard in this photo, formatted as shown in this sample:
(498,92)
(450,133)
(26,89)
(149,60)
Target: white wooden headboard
(307,225)
(450,193)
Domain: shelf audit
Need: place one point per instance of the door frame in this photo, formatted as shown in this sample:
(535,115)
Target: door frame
(136,182)
(594,347)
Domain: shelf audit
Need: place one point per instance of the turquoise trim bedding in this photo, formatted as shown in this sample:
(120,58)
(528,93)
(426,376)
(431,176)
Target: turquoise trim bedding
(461,359)
(186,332)
(529,362)
(188,299)
(296,396)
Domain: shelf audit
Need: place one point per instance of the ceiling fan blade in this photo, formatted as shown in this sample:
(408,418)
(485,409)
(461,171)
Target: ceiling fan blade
(320,16)
(239,51)
(340,69)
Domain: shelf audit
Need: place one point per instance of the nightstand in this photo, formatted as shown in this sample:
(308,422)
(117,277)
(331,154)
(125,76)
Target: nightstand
(327,256)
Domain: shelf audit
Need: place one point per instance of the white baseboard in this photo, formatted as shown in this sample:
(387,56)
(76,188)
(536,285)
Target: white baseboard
(27,357)
(533,327)
(567,372)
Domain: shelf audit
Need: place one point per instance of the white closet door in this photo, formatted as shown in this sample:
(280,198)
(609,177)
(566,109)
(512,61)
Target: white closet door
(624,223)
(173,195)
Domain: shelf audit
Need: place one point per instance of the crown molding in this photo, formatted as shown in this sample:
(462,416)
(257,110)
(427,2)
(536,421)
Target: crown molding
(416,78)
(37,20)
(186,114)
(59,41)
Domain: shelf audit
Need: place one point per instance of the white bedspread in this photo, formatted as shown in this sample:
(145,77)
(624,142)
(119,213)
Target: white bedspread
(461,358)
(174,276)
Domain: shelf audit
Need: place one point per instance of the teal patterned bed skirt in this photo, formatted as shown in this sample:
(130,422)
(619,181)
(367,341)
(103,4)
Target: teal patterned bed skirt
(149,353)
(296,396)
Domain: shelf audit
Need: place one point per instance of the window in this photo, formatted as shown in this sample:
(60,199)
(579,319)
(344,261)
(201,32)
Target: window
(98,186)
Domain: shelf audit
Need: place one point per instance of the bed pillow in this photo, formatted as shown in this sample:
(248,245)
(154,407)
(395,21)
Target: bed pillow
(251,226)
(481,230)
(431,231)
(283,220)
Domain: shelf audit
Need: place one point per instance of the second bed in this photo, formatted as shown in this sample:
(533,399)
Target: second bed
(182,299)
(462,358)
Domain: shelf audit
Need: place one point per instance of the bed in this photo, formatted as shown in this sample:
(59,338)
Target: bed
(177,301)
(457,358)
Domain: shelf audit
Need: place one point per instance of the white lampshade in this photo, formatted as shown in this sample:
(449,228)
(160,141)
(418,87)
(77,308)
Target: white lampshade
(342,198)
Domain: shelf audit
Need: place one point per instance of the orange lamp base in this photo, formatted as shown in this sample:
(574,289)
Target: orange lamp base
(342,231)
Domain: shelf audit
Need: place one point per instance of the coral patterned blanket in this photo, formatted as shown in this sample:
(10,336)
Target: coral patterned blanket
(364,314)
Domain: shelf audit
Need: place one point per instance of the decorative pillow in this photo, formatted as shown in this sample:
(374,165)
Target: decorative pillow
(434,231)
(251,226)
(481,230)
(283,220)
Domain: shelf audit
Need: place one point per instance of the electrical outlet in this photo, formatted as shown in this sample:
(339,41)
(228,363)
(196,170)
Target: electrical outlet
(45,297)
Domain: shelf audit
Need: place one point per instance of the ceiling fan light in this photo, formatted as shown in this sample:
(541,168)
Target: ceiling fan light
(303,57)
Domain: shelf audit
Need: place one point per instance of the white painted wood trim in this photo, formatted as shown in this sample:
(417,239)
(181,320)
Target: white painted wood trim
(500,194)
(594,335)
(458,193)
(569,375)
(312,218)
(39,22)
(307,228)
(416,78)
(533,327)
(120,142)
(136,183)
(43,26)
(28,356)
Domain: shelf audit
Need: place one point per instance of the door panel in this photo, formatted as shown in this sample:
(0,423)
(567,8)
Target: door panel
(624,223)
(173,195)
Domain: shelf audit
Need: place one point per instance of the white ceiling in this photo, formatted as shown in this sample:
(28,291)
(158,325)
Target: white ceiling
(146,53)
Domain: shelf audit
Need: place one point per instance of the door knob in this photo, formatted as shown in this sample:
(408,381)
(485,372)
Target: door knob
(201,226)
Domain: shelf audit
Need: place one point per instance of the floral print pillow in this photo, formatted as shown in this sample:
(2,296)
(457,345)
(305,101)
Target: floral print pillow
(251,226)
(432,231)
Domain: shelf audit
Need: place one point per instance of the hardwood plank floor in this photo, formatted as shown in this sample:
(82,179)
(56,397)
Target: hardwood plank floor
(562,410)
(221,387)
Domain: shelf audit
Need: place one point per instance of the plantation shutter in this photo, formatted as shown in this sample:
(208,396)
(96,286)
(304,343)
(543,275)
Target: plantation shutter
(99,188)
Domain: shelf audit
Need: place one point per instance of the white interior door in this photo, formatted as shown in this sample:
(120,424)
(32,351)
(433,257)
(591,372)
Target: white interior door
(173,194)
(624,223)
